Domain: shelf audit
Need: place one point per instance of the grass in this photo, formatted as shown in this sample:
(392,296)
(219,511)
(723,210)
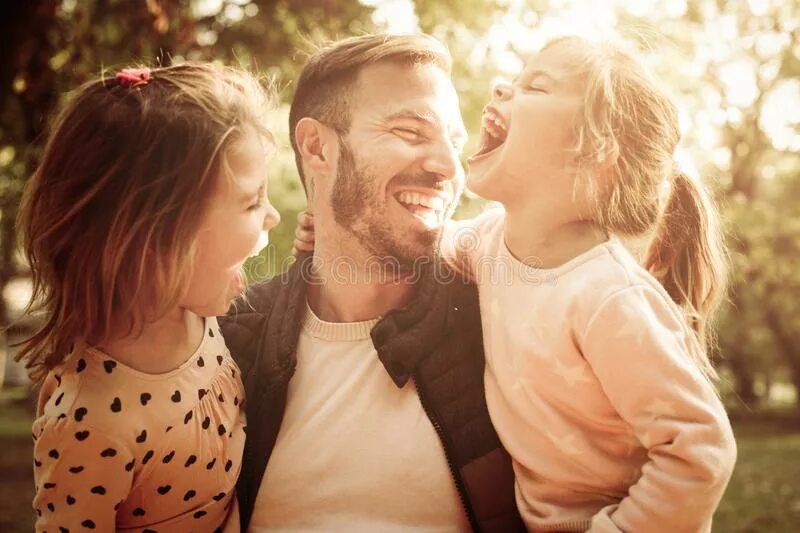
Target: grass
(764,493)
(16,468)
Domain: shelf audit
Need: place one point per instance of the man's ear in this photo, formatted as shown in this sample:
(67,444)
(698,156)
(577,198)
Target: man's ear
(316,143)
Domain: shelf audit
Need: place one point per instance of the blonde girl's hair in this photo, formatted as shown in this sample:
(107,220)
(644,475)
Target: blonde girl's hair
(109,219)
(630,131)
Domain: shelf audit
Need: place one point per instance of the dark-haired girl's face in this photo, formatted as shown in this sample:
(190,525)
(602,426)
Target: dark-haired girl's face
(234,227)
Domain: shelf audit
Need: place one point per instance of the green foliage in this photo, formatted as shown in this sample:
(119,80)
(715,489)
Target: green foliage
(733,67)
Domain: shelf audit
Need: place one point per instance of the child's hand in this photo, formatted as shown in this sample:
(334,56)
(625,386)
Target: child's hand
(303,234)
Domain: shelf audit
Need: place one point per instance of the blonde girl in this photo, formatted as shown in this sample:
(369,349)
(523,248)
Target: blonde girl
(150,195)
(597,375)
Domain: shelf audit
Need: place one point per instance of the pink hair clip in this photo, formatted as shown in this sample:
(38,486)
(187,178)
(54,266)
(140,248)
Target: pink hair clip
(133,77)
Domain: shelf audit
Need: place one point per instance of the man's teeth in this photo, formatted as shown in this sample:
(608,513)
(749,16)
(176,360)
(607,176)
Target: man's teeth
(414,198)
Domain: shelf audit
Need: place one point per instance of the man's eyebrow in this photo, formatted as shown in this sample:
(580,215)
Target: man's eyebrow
(409,114)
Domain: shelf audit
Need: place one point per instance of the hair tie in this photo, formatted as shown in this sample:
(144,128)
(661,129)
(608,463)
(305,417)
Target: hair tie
(134,77)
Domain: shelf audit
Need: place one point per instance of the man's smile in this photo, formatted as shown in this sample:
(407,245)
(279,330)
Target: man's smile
(428,206)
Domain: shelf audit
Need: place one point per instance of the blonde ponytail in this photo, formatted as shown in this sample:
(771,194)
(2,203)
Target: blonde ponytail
(687,255)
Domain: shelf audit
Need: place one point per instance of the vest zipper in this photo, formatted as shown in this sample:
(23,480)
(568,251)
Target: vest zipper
(248,458)
(461,489)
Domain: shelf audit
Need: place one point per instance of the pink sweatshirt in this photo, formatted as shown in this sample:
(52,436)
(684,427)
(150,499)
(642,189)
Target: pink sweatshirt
(592,388)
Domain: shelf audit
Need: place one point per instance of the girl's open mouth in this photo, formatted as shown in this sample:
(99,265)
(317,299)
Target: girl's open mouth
(494,131)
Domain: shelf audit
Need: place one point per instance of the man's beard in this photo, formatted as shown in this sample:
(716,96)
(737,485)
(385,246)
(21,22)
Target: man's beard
(360,207)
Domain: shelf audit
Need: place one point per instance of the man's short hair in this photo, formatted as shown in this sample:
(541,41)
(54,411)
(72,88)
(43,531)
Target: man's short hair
(327,79)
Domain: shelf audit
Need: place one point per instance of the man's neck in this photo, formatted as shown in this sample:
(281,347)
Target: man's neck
(352,289)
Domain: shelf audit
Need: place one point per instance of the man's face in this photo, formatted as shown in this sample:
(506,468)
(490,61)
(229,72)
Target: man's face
(399,177)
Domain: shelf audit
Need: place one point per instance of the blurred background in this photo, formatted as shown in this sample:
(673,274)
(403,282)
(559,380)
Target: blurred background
(732,65)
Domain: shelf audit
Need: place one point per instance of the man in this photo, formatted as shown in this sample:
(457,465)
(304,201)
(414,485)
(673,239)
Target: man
(363,370)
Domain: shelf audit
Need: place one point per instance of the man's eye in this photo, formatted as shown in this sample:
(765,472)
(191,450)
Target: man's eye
(257,205)
(408,133)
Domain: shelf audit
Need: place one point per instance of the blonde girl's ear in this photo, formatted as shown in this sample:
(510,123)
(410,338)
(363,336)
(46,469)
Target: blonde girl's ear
(602,168)
(606,159)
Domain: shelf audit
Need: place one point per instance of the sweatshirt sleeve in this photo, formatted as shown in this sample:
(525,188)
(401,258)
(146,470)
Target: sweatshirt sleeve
(81,476)
(639,347)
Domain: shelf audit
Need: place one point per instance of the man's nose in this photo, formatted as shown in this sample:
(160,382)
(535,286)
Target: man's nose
(502,90)
(272,218)
(443,161)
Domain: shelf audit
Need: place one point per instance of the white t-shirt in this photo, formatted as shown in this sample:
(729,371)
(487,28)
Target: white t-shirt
(354,451)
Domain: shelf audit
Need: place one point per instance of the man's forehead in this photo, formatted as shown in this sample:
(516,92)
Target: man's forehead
(393,90)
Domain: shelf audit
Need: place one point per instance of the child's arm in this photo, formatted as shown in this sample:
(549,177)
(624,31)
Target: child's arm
(462,242)
(452,249)
(80,474)
(639,348)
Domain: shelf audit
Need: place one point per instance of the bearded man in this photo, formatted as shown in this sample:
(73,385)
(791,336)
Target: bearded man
(363,364)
